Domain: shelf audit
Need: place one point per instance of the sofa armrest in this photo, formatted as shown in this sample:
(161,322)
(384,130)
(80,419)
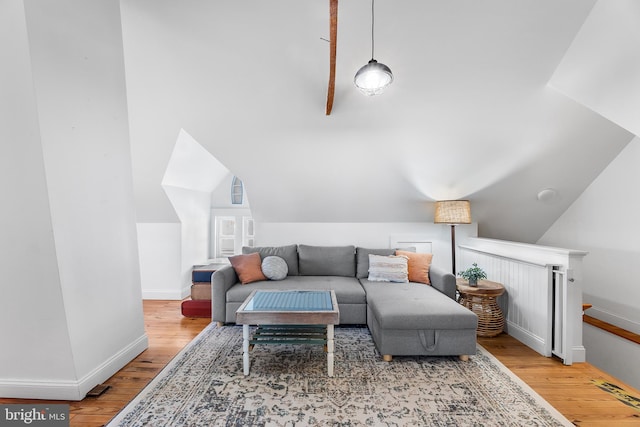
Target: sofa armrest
(221,281)
(443,281)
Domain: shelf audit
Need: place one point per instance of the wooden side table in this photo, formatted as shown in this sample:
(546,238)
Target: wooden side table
(482,300)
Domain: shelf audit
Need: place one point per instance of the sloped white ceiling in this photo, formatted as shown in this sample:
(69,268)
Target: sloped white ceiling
(469,115)
(602,67)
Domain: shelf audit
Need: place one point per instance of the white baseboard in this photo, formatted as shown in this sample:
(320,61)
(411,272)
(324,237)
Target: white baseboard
(579,354)
(50,390)
(528,339)
(162,294)
(73,390)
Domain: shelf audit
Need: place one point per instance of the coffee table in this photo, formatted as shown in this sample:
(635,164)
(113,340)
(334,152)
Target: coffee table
(289,317)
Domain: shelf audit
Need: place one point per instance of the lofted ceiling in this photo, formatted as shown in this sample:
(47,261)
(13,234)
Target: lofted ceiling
(469,115)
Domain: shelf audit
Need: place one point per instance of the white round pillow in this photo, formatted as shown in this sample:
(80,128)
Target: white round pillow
(274,268)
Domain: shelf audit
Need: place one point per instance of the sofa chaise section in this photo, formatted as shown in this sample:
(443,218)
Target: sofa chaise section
(413,319)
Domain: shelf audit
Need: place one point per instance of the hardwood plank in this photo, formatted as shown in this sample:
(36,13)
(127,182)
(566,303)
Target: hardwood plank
(568,388)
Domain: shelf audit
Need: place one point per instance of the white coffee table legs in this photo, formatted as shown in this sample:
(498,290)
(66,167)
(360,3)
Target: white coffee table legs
(245,349)
(330,350)
(246,364)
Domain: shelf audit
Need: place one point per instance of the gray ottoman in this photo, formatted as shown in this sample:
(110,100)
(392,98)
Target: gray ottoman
(413,319)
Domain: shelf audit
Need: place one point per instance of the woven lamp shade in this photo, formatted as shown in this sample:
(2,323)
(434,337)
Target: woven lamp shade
(453,212)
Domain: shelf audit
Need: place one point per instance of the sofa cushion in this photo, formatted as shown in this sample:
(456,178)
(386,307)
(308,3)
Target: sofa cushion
(289,253)
(415,306)
(327,260)
(362,258)
(348,289)
(419,264)
(390,268)
(274,268)
(248,267)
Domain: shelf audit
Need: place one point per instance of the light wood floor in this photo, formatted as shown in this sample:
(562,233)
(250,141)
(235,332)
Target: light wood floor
(568,388)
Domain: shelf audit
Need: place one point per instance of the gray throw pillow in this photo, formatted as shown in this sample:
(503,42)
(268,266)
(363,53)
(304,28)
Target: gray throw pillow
(274,268)
(288,253)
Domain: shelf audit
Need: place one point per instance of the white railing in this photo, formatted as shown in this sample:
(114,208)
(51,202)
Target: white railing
(542,302)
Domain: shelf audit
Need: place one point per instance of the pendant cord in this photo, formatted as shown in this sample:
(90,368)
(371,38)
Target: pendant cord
(372,26)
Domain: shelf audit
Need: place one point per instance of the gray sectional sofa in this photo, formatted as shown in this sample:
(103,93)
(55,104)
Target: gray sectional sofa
(403,318)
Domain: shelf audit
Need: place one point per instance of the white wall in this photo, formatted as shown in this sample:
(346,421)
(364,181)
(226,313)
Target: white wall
(72,278)
(370,235)
(613,354)
(33,326)
(604,222)
(160,250)
(601,70)
(168,251)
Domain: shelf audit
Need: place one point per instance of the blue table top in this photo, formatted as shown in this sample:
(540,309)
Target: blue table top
(290,301)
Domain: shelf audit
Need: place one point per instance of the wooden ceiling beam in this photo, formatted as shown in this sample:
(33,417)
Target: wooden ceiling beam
(333,34)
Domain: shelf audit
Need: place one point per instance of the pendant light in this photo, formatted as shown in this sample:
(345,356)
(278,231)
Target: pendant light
(373,78)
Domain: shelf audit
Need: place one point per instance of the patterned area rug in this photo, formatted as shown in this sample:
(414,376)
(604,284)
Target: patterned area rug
(288,386)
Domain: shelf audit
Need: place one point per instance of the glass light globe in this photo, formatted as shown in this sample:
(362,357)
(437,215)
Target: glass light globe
(373,78)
